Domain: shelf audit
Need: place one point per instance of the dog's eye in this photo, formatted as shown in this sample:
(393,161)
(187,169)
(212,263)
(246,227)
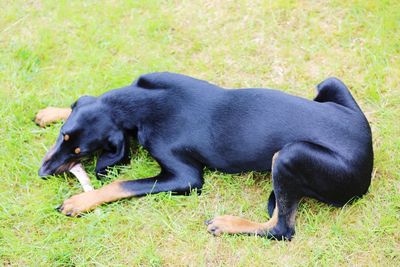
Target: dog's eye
(77,150)
(66,137)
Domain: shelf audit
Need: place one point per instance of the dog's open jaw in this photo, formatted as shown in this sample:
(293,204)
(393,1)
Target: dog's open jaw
(65,167)
(73,167)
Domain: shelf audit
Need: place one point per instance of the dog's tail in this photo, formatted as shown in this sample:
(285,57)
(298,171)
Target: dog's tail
(334,90)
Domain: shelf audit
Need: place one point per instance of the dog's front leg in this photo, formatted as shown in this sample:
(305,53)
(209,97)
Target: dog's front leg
(177,183)
(51,114)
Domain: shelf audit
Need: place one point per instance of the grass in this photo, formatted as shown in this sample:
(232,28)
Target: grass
(52,52)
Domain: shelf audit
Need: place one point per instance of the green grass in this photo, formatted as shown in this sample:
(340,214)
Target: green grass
(52,52)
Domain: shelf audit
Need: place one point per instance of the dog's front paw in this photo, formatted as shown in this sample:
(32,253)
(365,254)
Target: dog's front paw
(49,115)
(78,204)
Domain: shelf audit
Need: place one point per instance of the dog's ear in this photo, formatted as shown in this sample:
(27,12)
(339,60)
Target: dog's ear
(115,152)
(83,100)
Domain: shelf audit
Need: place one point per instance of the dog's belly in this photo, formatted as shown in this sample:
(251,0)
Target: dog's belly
(239,167)
(239,161)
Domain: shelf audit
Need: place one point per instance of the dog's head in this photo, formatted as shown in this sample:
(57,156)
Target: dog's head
(89,128)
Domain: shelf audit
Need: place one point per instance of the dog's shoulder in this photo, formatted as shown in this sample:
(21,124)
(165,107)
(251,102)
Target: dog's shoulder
(165,80)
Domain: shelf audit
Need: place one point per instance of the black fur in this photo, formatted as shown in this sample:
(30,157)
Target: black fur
(325,146)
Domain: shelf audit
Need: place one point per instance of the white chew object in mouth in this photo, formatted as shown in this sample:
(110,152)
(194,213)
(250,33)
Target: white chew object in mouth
(82,176)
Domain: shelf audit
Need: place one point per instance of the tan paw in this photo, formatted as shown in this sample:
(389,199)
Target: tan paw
(80,203)
(51,114)
(232,225)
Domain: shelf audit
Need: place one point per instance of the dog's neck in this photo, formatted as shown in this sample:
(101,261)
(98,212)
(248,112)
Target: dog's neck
(131,102)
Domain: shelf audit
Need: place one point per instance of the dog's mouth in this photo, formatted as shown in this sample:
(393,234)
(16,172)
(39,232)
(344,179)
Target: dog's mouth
(66,167)
(47,167)
(55,162)
(45,170)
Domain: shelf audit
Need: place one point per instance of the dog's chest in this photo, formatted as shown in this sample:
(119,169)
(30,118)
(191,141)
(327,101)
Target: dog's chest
(147,136)
(142,136)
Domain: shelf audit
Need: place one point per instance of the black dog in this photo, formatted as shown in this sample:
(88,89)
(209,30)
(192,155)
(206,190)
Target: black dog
(320,149)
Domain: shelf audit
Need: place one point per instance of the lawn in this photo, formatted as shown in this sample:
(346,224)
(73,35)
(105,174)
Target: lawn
(52,52)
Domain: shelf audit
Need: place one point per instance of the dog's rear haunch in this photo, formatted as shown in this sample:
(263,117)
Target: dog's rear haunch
(322,147)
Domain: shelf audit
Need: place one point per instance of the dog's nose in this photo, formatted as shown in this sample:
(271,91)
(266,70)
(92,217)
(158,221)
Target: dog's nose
(44,172)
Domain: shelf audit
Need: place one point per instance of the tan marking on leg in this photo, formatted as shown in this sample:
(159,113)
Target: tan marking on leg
(51,114)
(235,225)
(274,219)
(274,159)
(89,200)
(292,218)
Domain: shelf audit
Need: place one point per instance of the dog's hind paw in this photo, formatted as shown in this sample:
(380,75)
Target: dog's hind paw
(232,225)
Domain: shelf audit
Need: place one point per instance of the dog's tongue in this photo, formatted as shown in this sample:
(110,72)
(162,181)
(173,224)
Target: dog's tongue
(82,176)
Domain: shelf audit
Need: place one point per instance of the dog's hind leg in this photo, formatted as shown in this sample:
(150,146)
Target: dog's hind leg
(51,114)
(334,90)
(282,208)
(300,169)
